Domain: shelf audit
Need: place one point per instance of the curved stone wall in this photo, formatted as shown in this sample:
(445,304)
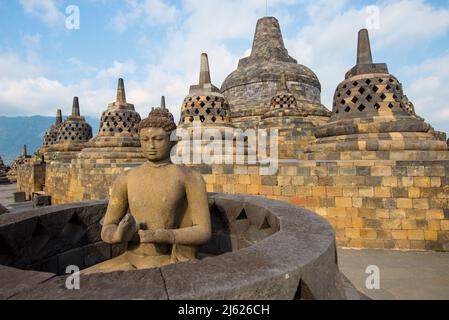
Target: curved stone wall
(265,250)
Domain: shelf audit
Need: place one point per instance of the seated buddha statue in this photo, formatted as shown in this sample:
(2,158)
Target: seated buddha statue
(160,209)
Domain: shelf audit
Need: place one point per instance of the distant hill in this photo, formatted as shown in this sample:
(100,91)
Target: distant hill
(16,131)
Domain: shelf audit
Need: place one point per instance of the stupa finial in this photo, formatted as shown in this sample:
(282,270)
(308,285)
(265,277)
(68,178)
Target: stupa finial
(364,48)
(121,96)
(58,117)
(75,107)
(204,70)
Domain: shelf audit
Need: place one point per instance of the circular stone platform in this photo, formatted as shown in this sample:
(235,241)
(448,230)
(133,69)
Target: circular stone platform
(260,249)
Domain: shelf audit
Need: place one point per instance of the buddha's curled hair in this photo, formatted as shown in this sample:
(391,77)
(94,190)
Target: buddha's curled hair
(159,118)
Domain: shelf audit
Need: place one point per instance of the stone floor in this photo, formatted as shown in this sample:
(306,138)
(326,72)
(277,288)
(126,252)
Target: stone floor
(403,275)
(7,199)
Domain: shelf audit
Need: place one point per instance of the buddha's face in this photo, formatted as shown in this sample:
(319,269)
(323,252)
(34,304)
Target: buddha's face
(156,144)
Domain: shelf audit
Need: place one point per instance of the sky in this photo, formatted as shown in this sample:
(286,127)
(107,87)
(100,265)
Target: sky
(46,58)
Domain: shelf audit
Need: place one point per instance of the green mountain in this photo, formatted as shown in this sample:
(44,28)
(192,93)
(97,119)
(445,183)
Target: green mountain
(16,131)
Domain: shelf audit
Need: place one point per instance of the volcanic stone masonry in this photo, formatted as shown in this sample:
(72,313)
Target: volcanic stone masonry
(3,171)
(372,167)
(20,160)
(250,88)
(295,129)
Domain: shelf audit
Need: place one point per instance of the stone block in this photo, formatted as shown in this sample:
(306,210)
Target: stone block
(415,235)
(404,203)
(284,180)
(244,179)
(382,192)
(389,181)
(399,234)
(366,192)
(343,202)
(41,200)
(421,182)
(368,234)
(417,245)
(96,253)
(19,197)
(73,257)
(381,171)
(319,191)
(421,204)
(409,224)
(431,235)
(434,225)
(414,192)
(445,225)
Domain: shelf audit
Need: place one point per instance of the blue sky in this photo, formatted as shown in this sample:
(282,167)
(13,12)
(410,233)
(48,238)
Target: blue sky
(156,45)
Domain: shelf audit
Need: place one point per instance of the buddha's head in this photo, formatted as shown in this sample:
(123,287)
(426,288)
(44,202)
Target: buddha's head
(155,132)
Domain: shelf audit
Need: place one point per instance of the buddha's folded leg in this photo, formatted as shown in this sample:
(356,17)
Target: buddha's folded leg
(120,263)
(148,262)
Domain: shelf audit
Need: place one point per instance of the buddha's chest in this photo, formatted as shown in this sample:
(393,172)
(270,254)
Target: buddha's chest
(156,199)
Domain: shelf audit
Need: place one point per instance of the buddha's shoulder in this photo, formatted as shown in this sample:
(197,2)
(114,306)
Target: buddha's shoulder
(181,171)
(189,174)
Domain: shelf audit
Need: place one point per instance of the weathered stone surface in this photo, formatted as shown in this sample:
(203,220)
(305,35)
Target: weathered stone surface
(96,253)
(40,200)
(291,263)
(19,196)
(250,88)
(130,285)
(372,116)
(3,209)
(14,281)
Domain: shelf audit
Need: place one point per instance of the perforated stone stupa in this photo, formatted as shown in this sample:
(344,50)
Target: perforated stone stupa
(205,103)
(51,135)
(286,116)
(250,88)
(20,160)
(73,133)
(373,119)
(118,136)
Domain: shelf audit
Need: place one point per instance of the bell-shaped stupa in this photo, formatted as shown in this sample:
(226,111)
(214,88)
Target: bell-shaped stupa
(118,136)
(250,88)
(72,135)
(373,119)
(204,103)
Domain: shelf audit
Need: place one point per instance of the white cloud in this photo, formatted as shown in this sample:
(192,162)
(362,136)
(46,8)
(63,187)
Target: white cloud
(31,40)
(45,10)
(82,67)
(428,90)
(25,90)
(118,69)
(144,12)
(14,68)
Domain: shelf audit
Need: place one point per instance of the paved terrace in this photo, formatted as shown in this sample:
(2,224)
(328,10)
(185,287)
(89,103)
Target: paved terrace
(403,275)
(7,199)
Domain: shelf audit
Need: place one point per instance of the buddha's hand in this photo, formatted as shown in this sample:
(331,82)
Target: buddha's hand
(157,236)
(126,229)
